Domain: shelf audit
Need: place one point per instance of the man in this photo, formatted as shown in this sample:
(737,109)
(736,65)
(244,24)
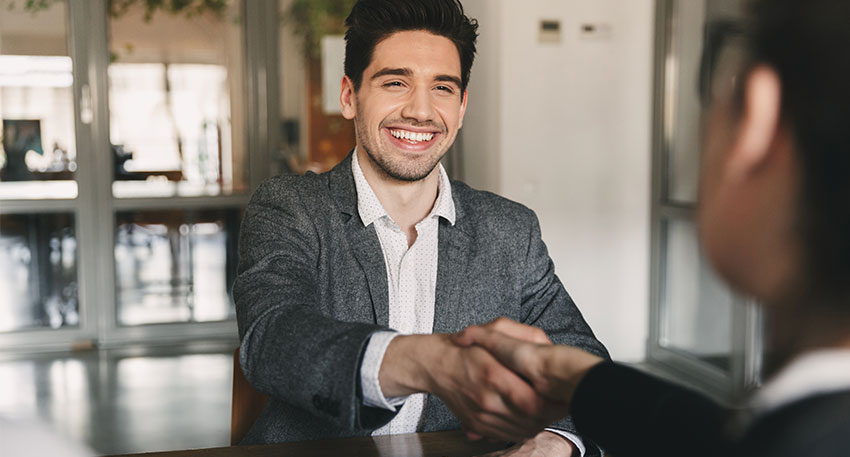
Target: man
(774,218)
(350,282)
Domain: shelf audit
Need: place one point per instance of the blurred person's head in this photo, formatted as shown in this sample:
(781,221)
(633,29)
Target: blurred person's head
(407,65)
(775,193)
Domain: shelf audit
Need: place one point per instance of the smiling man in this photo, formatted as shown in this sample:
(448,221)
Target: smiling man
(351,281)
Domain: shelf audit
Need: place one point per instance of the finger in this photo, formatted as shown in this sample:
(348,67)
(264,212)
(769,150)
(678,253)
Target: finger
(490,415)
(512,398)
(465,337)
(472,436)
(519,331)
(514,354)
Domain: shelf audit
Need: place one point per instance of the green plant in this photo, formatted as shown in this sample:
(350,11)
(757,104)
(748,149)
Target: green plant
(189,8)
(117,8)
(313,19)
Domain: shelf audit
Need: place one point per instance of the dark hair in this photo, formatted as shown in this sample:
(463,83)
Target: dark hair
(371,21)
(807,42)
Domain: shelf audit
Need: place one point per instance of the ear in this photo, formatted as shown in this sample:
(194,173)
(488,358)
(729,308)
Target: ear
(347,98)
(463,108)
(759,123)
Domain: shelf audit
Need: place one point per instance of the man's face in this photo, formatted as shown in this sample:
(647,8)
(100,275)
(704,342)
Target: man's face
(410,106)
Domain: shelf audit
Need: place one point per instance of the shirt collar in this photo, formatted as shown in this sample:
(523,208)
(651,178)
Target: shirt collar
(817,372)
(370,207)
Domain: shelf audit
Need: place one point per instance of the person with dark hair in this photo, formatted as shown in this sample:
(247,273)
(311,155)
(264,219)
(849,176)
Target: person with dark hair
(774,218)
(351,282)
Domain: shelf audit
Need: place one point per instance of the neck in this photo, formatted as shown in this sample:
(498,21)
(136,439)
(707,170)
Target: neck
(407,203)
(796,329)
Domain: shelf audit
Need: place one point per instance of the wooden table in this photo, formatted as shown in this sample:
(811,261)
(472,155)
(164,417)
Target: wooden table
(437,444)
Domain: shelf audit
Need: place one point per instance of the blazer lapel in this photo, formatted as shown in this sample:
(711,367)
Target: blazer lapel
(367,250)
(454,249)
(363,240)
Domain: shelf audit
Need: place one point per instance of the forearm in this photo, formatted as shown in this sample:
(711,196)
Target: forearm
(630,413)
(308,360)
(408,364)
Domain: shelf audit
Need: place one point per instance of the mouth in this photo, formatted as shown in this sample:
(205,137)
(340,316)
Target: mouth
(410,139)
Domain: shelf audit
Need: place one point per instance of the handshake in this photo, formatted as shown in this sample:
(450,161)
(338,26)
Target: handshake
(503,380)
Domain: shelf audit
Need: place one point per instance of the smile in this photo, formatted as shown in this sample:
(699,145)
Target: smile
(412,137)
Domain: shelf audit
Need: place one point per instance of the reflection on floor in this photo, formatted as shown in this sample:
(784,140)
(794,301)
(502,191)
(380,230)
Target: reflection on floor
(124,401)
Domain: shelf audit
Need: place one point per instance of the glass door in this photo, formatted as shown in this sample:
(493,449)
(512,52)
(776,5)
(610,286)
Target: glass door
(43,164)
(132,136)
(176,132)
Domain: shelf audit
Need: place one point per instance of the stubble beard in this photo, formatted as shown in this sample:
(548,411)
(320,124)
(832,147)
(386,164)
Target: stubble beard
(398,170)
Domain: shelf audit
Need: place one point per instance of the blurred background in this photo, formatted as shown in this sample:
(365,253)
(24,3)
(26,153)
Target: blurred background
(134,131)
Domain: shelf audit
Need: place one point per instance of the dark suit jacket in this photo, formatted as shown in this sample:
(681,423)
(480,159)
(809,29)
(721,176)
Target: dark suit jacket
(312,288)
(632,414)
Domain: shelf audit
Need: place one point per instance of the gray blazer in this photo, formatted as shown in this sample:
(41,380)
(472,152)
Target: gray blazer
(312,288)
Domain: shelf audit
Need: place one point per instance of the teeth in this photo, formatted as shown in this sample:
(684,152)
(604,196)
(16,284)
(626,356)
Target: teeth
(414,137)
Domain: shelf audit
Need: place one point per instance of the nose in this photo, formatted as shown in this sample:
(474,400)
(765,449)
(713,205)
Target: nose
(419,106)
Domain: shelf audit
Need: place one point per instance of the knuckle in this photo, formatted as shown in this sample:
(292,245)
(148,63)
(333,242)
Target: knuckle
(489,404)
(540,335)
(491,374)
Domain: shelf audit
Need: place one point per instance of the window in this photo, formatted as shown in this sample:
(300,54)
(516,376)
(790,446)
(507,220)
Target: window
(705,334)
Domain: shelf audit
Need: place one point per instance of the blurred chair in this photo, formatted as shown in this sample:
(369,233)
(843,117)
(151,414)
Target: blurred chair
(247,403)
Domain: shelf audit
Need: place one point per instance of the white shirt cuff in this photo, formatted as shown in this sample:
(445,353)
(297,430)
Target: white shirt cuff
(572,437)
(370,368)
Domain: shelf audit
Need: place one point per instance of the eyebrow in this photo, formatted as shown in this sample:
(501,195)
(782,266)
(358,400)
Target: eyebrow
(408,73)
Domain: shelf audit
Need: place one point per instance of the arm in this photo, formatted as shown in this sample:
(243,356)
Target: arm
(290,349)
(631,413)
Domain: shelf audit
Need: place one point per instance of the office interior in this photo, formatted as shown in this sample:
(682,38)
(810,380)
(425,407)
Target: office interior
(133,133)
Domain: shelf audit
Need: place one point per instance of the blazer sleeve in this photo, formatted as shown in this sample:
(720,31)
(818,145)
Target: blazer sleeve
(628,412)
(546,304)
(290,350)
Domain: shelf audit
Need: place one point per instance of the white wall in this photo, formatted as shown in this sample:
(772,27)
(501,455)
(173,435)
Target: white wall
(566,129)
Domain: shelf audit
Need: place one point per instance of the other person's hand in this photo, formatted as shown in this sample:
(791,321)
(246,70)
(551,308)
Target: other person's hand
(554,370)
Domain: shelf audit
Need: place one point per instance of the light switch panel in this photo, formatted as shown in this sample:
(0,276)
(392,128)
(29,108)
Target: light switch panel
(550,31)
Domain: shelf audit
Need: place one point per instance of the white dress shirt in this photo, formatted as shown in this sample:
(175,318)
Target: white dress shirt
(411,282)
(818,372)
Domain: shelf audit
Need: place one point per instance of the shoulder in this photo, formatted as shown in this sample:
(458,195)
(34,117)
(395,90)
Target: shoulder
(290,188)
(820,423)
(478,206)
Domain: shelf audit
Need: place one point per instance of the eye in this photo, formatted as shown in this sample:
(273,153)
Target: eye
(393,84)
(446,89)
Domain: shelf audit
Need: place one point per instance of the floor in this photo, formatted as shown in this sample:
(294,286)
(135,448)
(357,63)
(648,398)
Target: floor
(126,400)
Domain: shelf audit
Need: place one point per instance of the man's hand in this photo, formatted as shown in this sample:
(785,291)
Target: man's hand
(554,370)
(545,444)
(486,397)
